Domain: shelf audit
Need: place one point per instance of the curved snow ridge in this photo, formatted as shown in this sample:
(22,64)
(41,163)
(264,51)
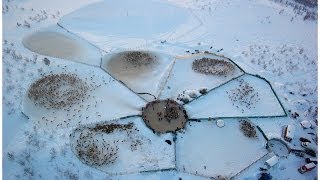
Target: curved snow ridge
(246,96)
(56,42)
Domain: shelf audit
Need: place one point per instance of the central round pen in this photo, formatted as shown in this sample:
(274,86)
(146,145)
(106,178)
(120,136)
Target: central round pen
(164,116)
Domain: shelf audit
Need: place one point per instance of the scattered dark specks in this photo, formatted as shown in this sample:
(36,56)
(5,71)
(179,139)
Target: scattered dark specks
(168,141)
(220,50)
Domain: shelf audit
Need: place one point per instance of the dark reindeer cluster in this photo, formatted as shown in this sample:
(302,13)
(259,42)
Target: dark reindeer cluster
(244,96)
(137,58)
(91,146)
(58,90)
(210,66)
(248,129)
(95,152)
(171,112)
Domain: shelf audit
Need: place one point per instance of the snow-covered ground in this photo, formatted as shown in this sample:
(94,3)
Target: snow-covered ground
(275,40)
(180,81)
(104,101)
(257,99)
(139,149)
(207,150)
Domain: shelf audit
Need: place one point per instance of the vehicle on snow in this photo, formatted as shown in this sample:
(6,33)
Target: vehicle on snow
(307,167)
(289,133)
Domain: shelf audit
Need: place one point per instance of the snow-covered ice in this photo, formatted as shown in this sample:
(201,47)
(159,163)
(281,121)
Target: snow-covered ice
(57,42)
(128,24)
(146,79)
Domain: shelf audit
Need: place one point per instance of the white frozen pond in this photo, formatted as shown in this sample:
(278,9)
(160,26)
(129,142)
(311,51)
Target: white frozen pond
(129,24)
(57,42)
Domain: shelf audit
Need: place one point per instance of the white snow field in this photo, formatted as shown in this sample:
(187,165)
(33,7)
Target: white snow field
(148,78)
(257,101)
(57,42)
(130,24)
(182,76)
(276,40)
(107,99)
(208,150)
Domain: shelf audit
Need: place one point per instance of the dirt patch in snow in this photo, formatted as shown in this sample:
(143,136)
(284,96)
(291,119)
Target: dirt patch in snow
(210,66)
(130,64)
(164,116)
(58,91)
(53,44)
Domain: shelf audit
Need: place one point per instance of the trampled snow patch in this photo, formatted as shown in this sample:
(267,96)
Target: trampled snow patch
(57,42)
(278,147)
(160,175)
(129,24)
(183,77)
(134,146)
(106,99)
(207,150)
(246,96)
